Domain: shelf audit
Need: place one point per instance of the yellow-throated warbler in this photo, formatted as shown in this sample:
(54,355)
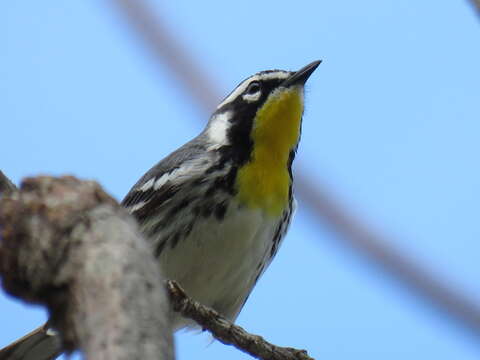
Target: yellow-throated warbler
(217,209)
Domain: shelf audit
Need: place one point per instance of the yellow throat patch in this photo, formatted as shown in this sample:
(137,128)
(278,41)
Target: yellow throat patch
(264,181)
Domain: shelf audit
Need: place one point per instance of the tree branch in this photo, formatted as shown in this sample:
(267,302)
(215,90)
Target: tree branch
(228,333)
(68,245)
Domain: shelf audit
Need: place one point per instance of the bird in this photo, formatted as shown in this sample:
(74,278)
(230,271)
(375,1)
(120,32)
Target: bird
(216,210)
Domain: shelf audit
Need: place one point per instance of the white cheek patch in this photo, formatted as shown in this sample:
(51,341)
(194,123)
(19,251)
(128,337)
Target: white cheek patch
(217,129)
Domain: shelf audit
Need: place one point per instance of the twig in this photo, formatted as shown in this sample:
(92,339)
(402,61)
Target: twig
(68,245)
(228,333)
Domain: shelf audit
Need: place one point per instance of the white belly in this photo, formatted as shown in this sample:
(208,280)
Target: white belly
(218,263)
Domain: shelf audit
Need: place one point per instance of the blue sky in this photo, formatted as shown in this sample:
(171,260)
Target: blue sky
(391,127)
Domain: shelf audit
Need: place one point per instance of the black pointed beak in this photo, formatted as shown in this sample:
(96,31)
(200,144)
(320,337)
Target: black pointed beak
(301,76)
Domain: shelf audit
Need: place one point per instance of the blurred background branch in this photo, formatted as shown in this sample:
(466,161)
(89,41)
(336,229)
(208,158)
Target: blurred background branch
(476,5)
(371,245)
(162,44)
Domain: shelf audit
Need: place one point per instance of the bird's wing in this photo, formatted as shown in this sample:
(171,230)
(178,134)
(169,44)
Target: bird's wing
(166,178)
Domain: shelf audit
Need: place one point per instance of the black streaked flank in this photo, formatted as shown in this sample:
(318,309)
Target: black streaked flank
(180,206)
(188,229)
(159,248)
(282,227)
(159,226)
(227,182)
(210,191)
(291,157)
(276,238)
(174,240)
(197,210)
(207,209)
(199,181)
(220,210)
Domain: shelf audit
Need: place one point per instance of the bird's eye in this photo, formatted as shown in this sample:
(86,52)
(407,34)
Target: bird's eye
(253,88)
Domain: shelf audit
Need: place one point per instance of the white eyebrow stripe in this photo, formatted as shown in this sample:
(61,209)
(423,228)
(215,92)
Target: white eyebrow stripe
(239,89)
(280,74)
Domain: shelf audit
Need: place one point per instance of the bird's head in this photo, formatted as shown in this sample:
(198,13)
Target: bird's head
(257,128)
(263,112)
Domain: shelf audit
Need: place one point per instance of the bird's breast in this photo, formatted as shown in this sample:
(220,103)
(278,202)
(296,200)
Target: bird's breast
(264,181)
